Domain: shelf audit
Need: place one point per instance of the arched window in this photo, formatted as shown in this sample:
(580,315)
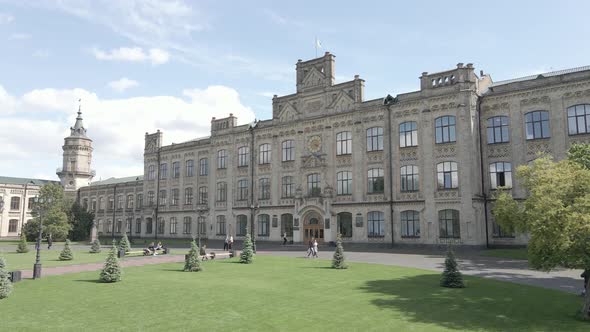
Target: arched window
(375,181)
(287,224)
(500,175)
(263,224)
(243,156)
(537,125)
(375,139)
(445,129)
(288,150)
(343,143)
(264,156)
(447,173)
(242,225)
(408,134)
(344,183)
(578,119)
(410,221)
(376,224)
(344,224)
(221,159)
(220,227)
(449,223)
(498,130)
(409,178)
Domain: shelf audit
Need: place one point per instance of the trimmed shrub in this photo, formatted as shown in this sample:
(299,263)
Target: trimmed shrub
(247,253)
(111,272)
(192,262)
(338,260)
(451,277)
(5,284)
(22,245)
(124,244)
(66,254)
(95,248)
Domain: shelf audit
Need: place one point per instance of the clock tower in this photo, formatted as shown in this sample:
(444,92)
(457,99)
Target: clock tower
(77,157)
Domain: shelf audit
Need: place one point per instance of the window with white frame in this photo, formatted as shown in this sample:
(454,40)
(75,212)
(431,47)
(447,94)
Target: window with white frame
(375,181)
(221,192)
(221,159)
(578,119)
(344,183)
(188,196)
(203,167)
(343,143)
(500,175)
(410,221)
(243,156)
(203,195)
(445,129)
(447,173)
(498,130)
(242,189)
(408,134)
(264,156)
(376,224)
(288,150)
(287,187)
(263,224)
(537,125)
(375,139)
(174,196)
(264,188)
(409,178)
(449,223)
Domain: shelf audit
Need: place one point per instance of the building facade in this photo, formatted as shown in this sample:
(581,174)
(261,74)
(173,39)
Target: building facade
(419,168)
(16,203)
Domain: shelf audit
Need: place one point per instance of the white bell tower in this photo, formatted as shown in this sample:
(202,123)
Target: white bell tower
(77,157)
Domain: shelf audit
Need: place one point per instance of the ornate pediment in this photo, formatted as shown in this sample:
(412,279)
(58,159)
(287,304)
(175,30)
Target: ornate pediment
(313,78)
(342,102)
(288,114)
(314,161)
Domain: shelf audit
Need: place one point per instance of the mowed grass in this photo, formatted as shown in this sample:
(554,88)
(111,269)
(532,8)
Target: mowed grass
(517,253)
(49,258)
(287,294)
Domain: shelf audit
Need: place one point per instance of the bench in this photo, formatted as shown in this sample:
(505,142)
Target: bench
(122,253)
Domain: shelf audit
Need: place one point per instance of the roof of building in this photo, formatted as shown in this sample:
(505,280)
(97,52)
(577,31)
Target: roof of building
(549,74)
(23,181)
(117,180)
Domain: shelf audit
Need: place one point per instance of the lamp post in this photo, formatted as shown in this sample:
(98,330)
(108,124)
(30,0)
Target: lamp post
(39,202)
(200,211)
(253,209)
(114,212)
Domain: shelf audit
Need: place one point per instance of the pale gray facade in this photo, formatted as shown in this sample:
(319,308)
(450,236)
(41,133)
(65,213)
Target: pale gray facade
(419,168)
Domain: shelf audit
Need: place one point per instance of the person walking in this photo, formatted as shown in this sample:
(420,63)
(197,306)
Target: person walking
(231,242)
(49,241)
(225,243)
(315,248)
(285,238)
(310,247)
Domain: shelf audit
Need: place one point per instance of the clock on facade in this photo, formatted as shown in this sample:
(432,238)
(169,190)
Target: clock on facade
(314,144)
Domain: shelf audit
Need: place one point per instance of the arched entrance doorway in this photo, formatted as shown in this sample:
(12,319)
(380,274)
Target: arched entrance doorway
(313,228)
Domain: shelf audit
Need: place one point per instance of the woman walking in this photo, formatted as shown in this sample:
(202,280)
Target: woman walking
(315,248)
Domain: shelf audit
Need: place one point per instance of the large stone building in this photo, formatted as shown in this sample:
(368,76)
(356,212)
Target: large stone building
(417,168)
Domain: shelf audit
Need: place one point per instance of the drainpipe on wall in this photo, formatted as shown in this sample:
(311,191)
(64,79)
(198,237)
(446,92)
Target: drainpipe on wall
(155,229)
(390,171)
(483,191)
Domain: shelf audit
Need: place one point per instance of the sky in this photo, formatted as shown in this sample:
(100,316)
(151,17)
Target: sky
(139,66)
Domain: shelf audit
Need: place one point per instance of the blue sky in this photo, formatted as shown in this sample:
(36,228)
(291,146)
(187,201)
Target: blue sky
(144,65)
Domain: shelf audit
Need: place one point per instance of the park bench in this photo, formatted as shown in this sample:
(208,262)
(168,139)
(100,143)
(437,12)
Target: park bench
(122,253)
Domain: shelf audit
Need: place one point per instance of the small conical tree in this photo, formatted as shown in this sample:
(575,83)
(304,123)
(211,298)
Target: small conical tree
(5,284)
(338,260)
(246,255)
(66,254)
(111,272)
(192,262)
(124,244)
(22,245)
(451,277)
(95,248)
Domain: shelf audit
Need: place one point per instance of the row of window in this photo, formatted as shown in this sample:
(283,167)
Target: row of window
(447,178)
(15,203)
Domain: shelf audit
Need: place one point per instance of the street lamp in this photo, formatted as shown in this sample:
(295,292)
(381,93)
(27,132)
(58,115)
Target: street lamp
(39,202)
(253,210)
(200,211)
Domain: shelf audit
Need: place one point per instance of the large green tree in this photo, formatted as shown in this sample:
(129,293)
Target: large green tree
(81,222)
(556,214)
(55,214)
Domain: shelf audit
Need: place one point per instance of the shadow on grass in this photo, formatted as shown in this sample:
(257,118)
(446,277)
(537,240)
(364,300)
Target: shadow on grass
(317,267)
(91,281)
(483,305)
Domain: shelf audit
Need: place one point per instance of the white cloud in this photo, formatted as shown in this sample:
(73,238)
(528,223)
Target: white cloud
(33,126)
(280,19)
(41,54)
(6,18)
(122,84)
(133,54)
(19,36)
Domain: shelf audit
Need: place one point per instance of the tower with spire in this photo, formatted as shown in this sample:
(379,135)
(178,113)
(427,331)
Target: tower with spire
(77,157)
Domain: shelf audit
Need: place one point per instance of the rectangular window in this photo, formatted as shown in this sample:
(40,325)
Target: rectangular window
(445,129)
(376,224)
(161,225)
(188,196)
(375,139)
(174,196)
(313,184)
(151,172)
(447,175)
(498,130)
(344,183)
(449,224)
(220,225)
(243,156)
(242,190)
(151,200)
(264,154)
(578,119)
(287,187)
(173,225)
(343,143)
(119,225)
(409,178)
(500,175)
(202,228)
(31,203)
(176,169)
(375,181)
(408,134)
(190,168)
(288,150)
(537,125)
(186,226)
(163,199)
(139,201)
(149,225)
(242,227)
(12,225)
(203,196)
(111,203)
(15,203)
(138,225)
(263,224)
(221,159)
(264,187)
(410,221)
(221,192)
(163,171)
(120,202)
(203,167)
(130,201)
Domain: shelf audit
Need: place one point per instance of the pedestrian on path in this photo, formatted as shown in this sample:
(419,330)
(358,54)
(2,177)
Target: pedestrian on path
(49,241)
(285,238)
(315,248)
(226,243)
(231,242)
(310,247)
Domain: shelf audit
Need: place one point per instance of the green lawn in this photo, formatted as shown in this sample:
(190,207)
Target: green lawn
(517,253)
(16,261)
(281,293)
